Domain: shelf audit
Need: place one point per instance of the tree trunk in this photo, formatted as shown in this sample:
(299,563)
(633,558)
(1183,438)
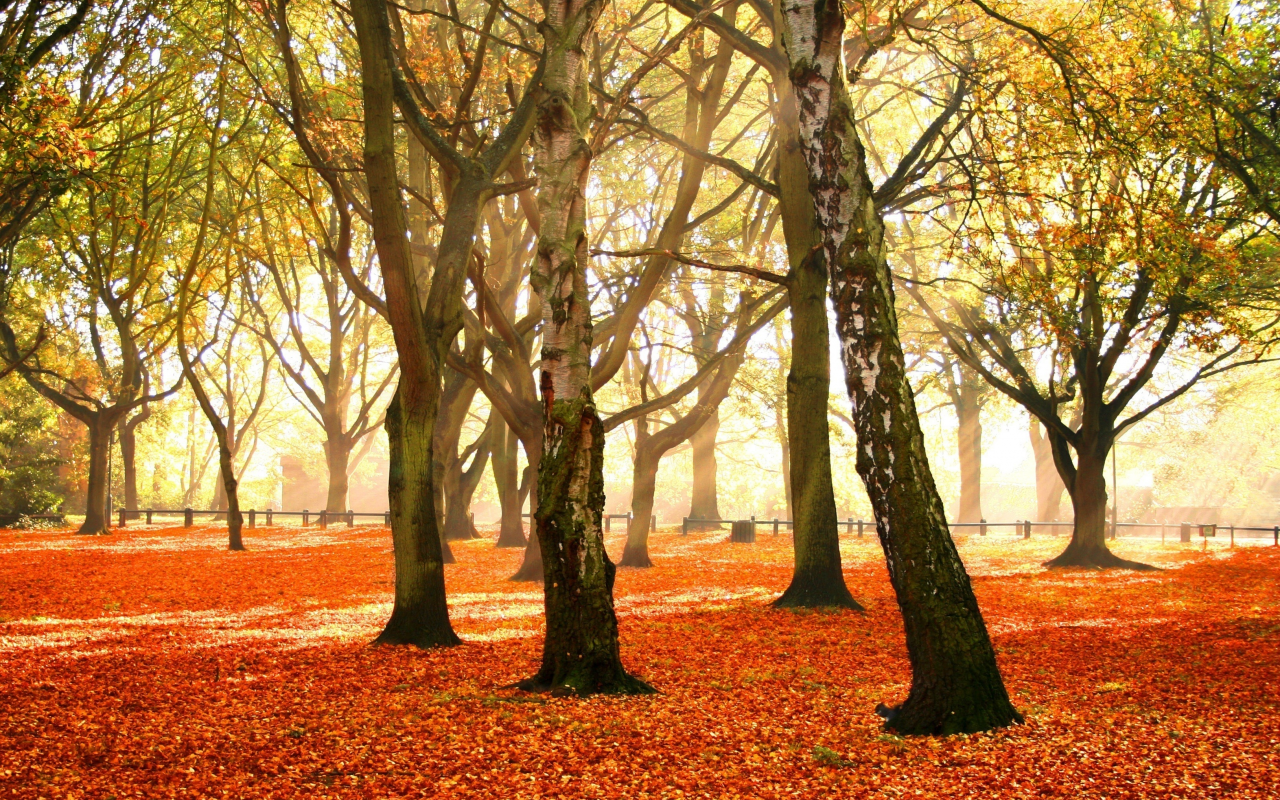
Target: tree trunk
(337,457)
(227,471)
(818,580)
(129,460)
(531,564)
(506,476)
(96,513)
(1049,486)
(580,653)
(1087,485)
(969,435)
(956,684)
(643,486)
(420,615)
(704,503)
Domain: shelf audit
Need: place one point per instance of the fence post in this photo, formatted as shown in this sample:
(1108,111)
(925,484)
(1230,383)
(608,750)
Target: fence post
(684,526)
(124,518)
(775,526)
(1233,535)
(1184,533)
(386,518)
(351,519)
(268,518)
(148,516)
(653,521)
(188,518)
(253,517)
(608,520)
(324,518)
(982,529)
(1026,529)
(1275,536)
(306,517)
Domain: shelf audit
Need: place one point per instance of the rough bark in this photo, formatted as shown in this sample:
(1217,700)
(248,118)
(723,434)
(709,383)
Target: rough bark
(644,481)
(956,684)
(580,652)
(337,457)
(96,513)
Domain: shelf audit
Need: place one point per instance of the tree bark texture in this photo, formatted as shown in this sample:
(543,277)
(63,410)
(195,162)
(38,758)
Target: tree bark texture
(704,501)
(956,684)
(581,652)
(1049,486)
(96,519)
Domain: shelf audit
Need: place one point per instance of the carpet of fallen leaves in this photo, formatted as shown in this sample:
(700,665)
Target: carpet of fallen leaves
(153,663)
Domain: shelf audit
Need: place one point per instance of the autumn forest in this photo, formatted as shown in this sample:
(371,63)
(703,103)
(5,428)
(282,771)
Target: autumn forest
(645,398)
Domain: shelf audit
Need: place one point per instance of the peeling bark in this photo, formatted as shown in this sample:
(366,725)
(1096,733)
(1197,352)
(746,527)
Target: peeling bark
(956,684)
(580,652)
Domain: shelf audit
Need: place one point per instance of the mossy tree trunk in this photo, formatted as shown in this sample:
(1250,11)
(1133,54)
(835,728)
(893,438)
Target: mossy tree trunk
(956,684)
(581,652)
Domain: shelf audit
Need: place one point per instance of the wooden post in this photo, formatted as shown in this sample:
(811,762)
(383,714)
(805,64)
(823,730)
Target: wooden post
(124,518)
(653,522)
(743,531)
(982,529)
(1184,533)
(253,517)
(148,516)
(1026,529)
(684,526)
(1233,534)
(188,517)
(306,517)
(859,529)
(324,518)
(351,518)
(608,520)
(775,526)
(269,517)
(386,518)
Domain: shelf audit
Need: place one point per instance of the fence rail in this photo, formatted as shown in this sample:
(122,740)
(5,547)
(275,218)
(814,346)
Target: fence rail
(322,517)
(1023,527)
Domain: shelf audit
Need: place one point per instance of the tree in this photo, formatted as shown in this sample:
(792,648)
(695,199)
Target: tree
(424,321)
(1121,257)
(580,652)
(956,685)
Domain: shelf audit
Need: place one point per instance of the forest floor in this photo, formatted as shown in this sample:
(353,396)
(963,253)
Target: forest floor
(154,663)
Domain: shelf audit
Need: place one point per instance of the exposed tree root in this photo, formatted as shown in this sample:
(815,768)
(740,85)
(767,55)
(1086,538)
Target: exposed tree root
(635,557)
(411,629)
(1095,557)
(805,593)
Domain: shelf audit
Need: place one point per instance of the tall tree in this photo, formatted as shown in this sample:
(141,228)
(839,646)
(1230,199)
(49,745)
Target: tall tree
(956,685)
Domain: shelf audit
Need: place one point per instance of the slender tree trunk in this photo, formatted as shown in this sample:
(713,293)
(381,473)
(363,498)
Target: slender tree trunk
(506,476)
(969,437)
(1087,485)
(96,520)
(337,457)
(129,463)
(644,480)
(1049,486)
(580,653)
(956,684)
(818,580)
(704,502)
(531,568)
(420,615)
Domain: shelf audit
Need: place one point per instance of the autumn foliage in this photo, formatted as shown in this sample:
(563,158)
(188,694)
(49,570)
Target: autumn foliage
(156,664)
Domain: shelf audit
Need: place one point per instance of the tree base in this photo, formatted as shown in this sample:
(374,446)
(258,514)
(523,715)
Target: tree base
(585,681)
(635,557)
(1095,557)
(512,537)
(530,570)
(804,593)
(446,554)
(921,716)
(410,629)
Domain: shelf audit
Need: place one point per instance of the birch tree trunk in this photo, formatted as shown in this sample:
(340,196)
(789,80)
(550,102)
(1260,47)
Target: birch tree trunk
(580,653)
(956,684)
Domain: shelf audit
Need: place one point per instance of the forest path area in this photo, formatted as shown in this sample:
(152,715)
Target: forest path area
(154,663)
